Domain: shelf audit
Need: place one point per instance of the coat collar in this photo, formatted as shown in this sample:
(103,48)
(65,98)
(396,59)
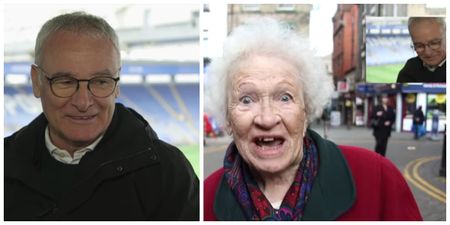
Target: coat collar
(333,191)
(126,146)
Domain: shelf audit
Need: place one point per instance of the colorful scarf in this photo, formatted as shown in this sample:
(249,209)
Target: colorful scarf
(252,200)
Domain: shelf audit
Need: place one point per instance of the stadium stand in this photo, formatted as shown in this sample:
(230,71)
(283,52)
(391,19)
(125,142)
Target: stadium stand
(171,108)
(387,45)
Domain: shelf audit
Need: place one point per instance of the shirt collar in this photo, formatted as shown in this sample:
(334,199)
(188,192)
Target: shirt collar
(63,155)
(433,68)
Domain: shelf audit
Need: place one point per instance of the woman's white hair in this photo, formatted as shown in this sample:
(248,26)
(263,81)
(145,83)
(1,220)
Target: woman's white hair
(266,36)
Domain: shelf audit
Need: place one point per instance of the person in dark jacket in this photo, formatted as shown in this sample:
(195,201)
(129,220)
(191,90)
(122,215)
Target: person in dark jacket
(383,117)
(86,157)
(428,38)
(418,119)
(266,89)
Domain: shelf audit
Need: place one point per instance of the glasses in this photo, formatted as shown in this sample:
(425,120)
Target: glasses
(433,45)
(66,86)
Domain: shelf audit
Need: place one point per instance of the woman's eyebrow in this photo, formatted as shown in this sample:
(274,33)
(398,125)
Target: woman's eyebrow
(246,83)
(283,82)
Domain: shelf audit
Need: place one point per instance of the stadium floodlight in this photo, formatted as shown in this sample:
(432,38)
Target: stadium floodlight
(16,79)
(186,78)
(374,31)
(131,78)
(158,78)
(396,31)
(385,31)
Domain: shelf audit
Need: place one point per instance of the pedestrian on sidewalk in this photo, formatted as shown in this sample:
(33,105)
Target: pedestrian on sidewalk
(418,119)
(383,116)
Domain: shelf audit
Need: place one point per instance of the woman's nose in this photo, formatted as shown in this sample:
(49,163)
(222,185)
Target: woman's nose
(267,117)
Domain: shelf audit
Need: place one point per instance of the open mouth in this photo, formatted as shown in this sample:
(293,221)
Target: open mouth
(269,141)
(268,146)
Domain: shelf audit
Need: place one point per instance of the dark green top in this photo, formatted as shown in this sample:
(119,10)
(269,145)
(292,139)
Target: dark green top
(333,191)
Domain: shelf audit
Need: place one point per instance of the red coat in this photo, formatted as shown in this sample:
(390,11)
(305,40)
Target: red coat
(352,184)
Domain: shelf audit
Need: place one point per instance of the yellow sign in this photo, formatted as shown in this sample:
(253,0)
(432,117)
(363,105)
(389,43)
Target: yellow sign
(410,98)
(348,103)
(440,98)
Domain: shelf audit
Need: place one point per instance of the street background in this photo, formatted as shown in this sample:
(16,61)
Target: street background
(362,47)
(402,149)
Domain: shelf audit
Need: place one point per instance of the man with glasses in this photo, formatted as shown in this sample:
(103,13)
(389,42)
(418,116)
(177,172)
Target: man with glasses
(428,40)
(86,157)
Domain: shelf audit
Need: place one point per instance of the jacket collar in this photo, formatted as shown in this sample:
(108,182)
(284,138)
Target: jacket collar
(126,146)
(134,131)
(333,191)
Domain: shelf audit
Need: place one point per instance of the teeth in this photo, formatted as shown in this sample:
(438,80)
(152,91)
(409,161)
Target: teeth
(267,139)
(82,117)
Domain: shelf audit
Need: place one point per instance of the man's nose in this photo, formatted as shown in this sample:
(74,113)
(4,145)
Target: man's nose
(427,50)
(82,99)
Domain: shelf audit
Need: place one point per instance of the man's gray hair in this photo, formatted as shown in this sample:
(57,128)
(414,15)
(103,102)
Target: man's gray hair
(77,22)
(266,36)
(438,20)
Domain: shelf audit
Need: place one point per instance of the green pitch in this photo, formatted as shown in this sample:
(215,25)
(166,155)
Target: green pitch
(192,154)
(383,73)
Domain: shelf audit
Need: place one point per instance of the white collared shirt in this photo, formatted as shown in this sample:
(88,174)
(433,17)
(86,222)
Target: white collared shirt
(63,155)
(433,68)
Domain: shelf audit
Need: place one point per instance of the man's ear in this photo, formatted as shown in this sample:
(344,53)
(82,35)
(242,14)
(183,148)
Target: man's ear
(117,92)
(36,82)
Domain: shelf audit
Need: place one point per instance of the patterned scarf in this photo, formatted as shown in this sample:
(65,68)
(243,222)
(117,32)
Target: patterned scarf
(252,200)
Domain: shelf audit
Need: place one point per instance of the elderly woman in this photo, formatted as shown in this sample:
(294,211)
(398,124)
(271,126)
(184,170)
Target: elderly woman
(266,89)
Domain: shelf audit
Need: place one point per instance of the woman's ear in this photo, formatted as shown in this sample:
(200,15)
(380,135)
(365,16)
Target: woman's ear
(228,128)
(305,127)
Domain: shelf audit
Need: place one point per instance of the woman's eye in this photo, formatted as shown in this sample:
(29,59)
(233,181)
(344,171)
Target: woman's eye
(246,100)
(286,98)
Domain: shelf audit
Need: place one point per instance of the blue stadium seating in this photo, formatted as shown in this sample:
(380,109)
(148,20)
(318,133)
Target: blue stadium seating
(384,50)
(21,107)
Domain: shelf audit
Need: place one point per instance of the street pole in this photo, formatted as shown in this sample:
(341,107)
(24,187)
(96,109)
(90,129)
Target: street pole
(442,171)
(398,113)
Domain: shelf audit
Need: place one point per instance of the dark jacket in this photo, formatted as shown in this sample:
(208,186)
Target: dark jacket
(352,183)
(130,175)
(415,72)
(418,117)
(387,115)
